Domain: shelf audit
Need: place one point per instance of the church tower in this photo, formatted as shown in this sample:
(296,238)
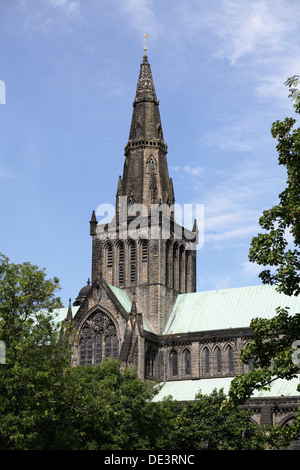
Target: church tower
(143,250)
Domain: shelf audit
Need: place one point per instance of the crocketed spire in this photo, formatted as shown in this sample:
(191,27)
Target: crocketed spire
(145,178)
(146,123)
(145,89)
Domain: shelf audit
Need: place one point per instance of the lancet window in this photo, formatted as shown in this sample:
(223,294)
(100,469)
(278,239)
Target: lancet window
(151,164)
(207,360)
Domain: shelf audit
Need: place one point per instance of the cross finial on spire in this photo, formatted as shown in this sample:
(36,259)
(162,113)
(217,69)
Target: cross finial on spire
(146,37)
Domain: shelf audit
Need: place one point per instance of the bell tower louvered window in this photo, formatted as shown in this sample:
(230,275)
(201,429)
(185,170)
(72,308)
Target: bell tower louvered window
(109,256)
(132,255)
(144,250)
(121,264)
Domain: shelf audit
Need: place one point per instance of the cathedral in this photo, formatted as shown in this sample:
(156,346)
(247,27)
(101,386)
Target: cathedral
(141,304)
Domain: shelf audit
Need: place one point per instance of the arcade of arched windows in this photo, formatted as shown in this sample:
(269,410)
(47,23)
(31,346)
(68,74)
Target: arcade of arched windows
(180,363)
(217,360)
(97,339)
(125,262)
(221,360)
(178,265)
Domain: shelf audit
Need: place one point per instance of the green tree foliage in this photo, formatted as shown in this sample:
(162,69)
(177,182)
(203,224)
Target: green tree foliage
(29,379)
(278,250)
(205,425)
(108,408)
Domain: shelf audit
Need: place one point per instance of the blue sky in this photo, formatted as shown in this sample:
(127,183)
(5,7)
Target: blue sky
(70,68)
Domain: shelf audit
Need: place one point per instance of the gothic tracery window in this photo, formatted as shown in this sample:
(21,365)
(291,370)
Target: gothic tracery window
(97,340)
(151,164)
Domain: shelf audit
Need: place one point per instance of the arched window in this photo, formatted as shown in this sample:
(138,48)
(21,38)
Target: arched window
(151,164)
(219,361)
(206,361)
(174,363)
(187,361)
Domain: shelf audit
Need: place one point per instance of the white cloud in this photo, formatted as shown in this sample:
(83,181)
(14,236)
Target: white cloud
(251,270)
(214,282)
(142,17)
(251,27)
(191,170)
(66,6)
(243,28)
(48,15)
(233,207)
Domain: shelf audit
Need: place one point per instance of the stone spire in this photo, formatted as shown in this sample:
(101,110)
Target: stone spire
(145,163)
(146,123)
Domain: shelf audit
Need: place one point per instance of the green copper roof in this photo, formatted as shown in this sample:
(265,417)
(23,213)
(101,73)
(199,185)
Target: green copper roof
(125,301)
(122,297)
(185,390)
(227,308)
(60,314)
